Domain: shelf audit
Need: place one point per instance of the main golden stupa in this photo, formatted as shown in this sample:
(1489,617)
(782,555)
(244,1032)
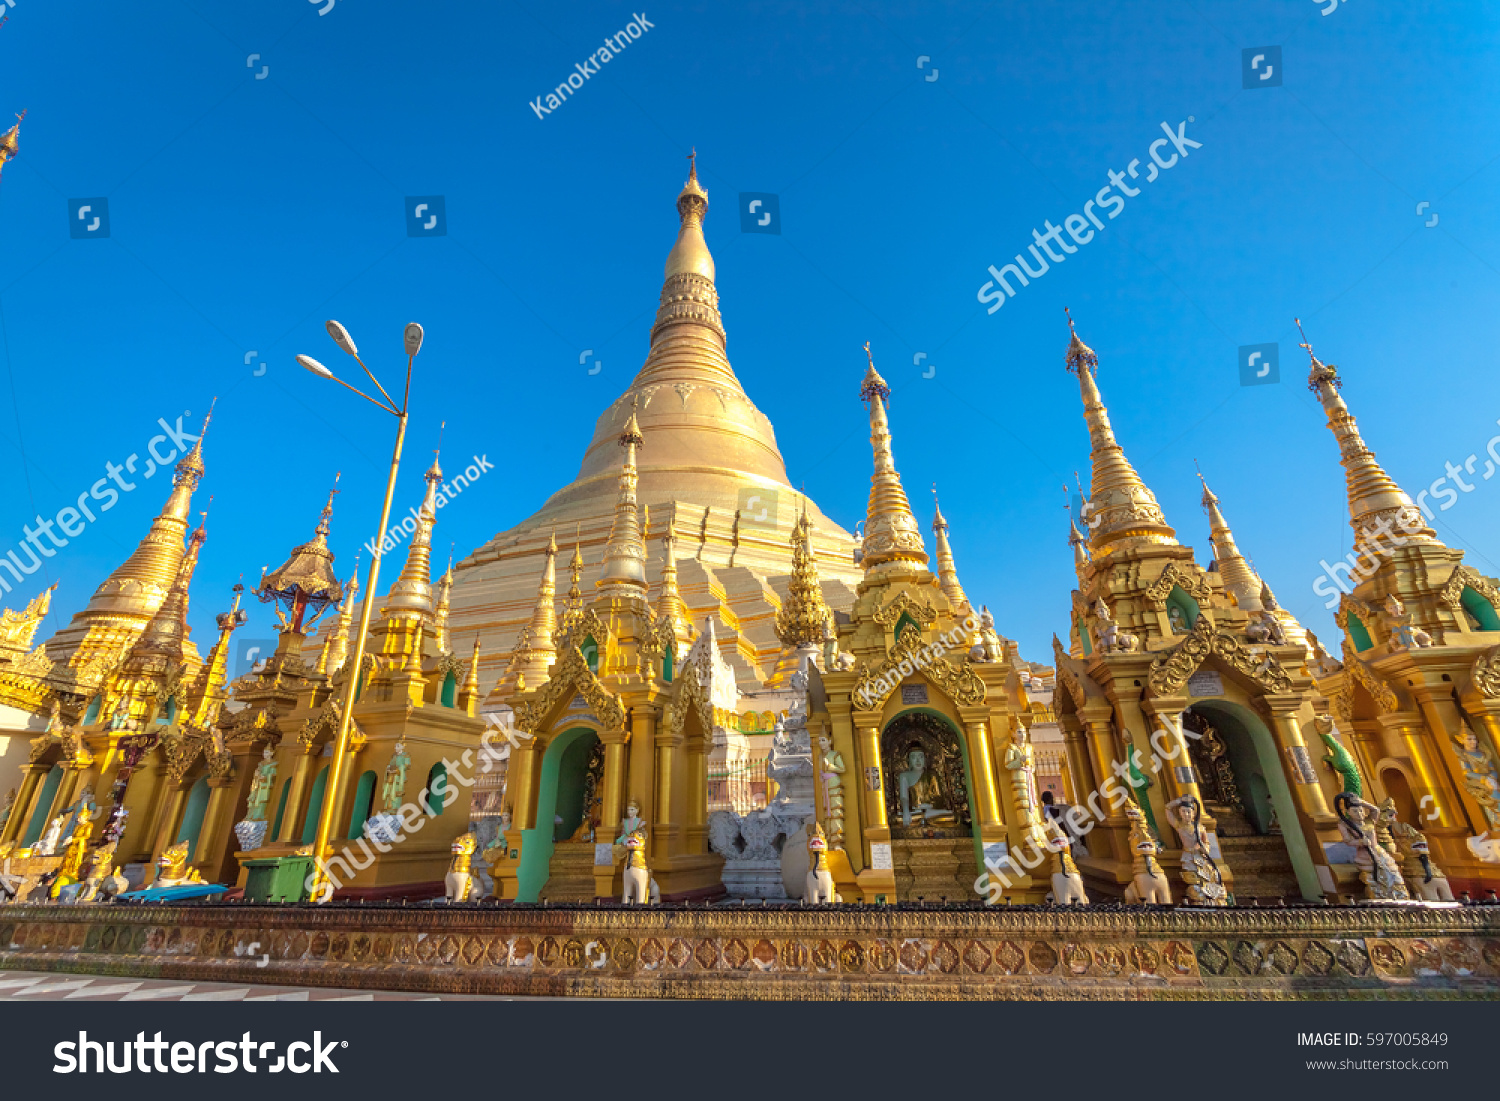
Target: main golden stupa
(711,478)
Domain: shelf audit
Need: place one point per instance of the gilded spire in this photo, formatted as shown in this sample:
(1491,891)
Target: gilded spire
(669,603)
(1239,579)
(947,572)
(537,647)
(624,568)
(690,253)
(802,618)
(1377,505)
(167,632)
(689,301)
(216,669)
(412,591)
(444,589)
(892,536)
(131,595)
(9,143)
(1121,511)
(336,645)
(573,601)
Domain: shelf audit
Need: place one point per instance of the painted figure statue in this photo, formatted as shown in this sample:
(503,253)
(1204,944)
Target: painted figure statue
(1149,883)
(819,886)
(1067,883)
(458,884)
(1424,879)
(1378,869)
(1480,775)
(260,787)
(1112,637)
(394,788)
(640,888)
(631,823)
(987,644)
(51,839)
(832,771)
(1205,884)
(1020,759)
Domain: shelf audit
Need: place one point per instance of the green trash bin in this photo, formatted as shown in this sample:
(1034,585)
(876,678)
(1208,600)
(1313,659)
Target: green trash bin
(277,878)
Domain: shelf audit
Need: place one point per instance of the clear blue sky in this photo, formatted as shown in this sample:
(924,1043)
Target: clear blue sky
(245,211)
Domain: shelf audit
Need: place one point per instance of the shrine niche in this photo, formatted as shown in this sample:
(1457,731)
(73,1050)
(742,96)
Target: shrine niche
(925,791)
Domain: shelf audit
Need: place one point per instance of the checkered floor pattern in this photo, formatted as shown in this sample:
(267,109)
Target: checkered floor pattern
(18,986)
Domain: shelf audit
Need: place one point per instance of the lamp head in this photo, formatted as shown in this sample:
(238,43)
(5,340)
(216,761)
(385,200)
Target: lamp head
(342,338)
(314,366)
(413,339)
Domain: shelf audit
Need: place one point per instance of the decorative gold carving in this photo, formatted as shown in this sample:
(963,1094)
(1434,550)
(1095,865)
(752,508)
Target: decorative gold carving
(1193,583)
(1170,672)
(690,695)
(571,676)
(1486,672)
(911,655)
(904,603)
(1463,576)
(1381,692)
(325,722)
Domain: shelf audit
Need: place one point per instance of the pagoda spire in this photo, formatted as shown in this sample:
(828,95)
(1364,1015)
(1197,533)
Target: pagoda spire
(947,572)
(134,591)
(802,618)
(669,604)
(1122,511)
(440,625)
(9,143)
(411,594)
(336,645)
(573,600)
(893,540)
(216,669)
(1235,571)
(688,295)
(537,648)
(1377,505)
(624,570)
(168,631)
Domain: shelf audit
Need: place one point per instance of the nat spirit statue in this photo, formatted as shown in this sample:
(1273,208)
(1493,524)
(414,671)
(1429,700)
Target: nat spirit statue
(1112,637)
(1424,879)
(632,823)
(394,788)
(1020,759)
(1205,885)
(832,771)
(260,787)
(1377,867)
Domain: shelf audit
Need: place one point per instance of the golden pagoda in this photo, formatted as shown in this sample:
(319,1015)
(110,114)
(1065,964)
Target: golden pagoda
(914,736)
(712,476)
(617,724)
(1416,687)
(1178,683)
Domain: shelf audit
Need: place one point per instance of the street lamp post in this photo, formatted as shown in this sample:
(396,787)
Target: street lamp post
(320,888)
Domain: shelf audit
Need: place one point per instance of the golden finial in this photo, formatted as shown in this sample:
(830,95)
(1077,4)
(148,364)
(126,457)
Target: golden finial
(873,385)
(1079,355)
(693,164)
